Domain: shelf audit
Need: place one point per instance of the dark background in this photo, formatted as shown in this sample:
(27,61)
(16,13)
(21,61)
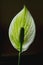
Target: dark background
(8,9)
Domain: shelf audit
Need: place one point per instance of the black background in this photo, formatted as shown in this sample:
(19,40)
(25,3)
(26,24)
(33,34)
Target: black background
(8,9)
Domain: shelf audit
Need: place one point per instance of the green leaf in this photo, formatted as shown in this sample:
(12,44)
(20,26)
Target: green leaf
(22,20)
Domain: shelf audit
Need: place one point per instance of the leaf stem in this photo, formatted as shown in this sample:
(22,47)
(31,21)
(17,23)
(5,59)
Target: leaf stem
(19,55)
(19,59)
